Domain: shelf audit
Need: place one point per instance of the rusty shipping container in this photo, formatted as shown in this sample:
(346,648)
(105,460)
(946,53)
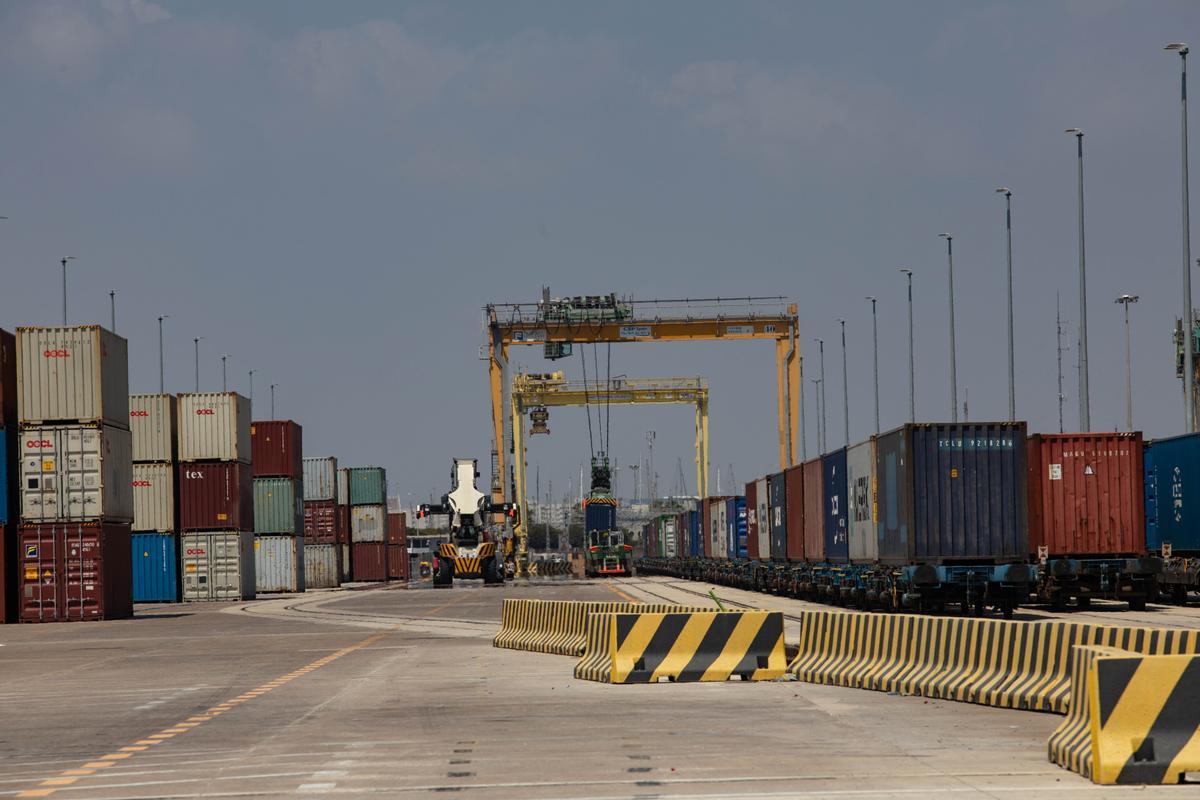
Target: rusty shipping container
(216,496)
(72,374)
(320,478)
(752,520)
(794,480)
(152,421)
(322,566)
(368,523)
(278,564)
(277,449)
(814,512)
(343,525)
(8,573)
(8,380)
(320,522)
(75,571)
(370,561)
(76,472)
(214,426)
(397,528)
(1086,494)
(278,507)
(397,562)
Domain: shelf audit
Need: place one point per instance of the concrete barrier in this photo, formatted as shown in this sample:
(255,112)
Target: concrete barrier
(683,646)
(994,662)
(1133,718)
(558,626)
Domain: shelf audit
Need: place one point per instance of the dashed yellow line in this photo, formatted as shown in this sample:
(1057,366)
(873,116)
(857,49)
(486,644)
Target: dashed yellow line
(621,594)
(69,776)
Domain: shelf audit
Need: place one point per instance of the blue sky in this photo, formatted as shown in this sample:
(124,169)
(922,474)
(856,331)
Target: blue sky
(329,192)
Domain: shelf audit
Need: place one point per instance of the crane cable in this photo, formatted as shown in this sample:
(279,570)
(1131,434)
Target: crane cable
(587,403)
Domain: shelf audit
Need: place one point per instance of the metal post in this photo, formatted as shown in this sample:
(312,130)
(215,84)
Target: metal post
(821,431)
(1125,300)
(112,307)
(1189,375)
(273,385)
(196,343)
(161,382)
(224,380)
(1085,413)
(953,351)
(912,370)
(875,359)
(1012,374)
(845,386)
(251,398)
(64,287)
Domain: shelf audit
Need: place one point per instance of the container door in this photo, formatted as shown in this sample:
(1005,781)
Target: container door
(836,533)
(762,498)
(779,503)
(860,494)
(893,526)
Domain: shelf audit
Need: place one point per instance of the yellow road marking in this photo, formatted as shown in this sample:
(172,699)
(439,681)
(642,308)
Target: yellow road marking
(99,764)
(79,772)
(36,793)
(620,594)
(133,747)
(59,781)
(116,756)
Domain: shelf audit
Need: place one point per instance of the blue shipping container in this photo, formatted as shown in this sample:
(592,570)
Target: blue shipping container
(837,532)
(695,542)
(7,473)
(155,568)
(600,515)
(1172,478)
(743,529)
(735,527)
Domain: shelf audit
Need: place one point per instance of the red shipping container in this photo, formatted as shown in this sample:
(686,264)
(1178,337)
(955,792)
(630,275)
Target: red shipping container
(343,524)
(397,528)
(216,496)
(752,519)
(75,571)
(370,560)
(793,478)
(8,573)
(813,476)
(320,522)
(277,449)
(398,562)
(1086,494)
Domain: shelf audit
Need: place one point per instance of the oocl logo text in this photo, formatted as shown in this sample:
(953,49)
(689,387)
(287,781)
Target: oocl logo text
(56,353)
(142,484)
(139,413)
(195,551)
(35,444)
(205,411)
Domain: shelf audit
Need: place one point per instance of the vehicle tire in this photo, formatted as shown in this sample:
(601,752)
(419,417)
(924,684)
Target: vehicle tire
(444,576)
(1006,609)
(492,573)
(1083,603)
(1137,604)
(1058,602)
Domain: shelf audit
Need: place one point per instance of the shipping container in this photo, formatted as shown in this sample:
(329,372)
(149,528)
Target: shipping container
(278,506)
(833,465)
(860,498)
(343,522)
(370,561)
(762,499)
(1172,476)
(397,562)
(322,566)
(8,475)
(320,522)
(72,374)
(154,498)
(76,472)
(752,520)
(368,486)
(152,421)
(347,566)
(8,573)
(720,530)
(278,564)
(794,521)
(668,537)
(777,497)
(214,426)
(368,523)
(952,493)
(277,449)
(320,478)
(814,511)
(8,380)
(74,571)
(694,534)
(216,496)
(155,568)
(217,565)
(1086,494)
(397,528)
(343,486)
(735,526)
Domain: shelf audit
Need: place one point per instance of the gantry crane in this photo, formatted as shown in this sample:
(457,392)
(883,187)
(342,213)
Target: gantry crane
(534,393)
(556,324)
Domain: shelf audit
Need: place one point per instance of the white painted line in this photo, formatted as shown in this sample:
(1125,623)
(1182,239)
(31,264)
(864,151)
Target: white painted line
(330,773)
(316,787)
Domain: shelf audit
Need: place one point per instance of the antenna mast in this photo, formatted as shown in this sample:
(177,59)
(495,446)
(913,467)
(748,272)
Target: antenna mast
(1058,322)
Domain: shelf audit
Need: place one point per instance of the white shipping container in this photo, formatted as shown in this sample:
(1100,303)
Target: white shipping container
(152,423)
(863,545)
(322,566)
(721,534)
(345,576)
(77,473)
(278,564)
(154,498)
(320,478)
(217,565)
(368,523)
(343,486)
(764,521)
(72,374)
(214,426)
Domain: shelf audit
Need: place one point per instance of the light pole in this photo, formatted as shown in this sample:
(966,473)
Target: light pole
(64,271)
(912,371)
(1085,413)
(273,385)
(821,440)
(251,389)
(820,412)
(875,359)
(224,381)
(845,386)
(1012,373)
(1189,376)
(196,344)
(112,307)
(161,382)
(1125,300)
(953,352)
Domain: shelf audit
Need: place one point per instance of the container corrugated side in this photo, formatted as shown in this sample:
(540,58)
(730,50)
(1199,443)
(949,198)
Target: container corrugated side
(152,421)
(837,533)
(277,449)
(370,561)
(217,565)
(320,478)
(368,486)
(278,564)
(320,522)
(154,498)
(814,512)
(1086,494)
(777,492)
(1172,476)
(894,531)
(72,374)
(278,507)
(368,523)
(216,496)
(8,380)
(76,472)
(860,497)
(75,571)
(752,520)
(214,426)
(762,499)
(343,486)
(794,549)
(322,566)
(155,568)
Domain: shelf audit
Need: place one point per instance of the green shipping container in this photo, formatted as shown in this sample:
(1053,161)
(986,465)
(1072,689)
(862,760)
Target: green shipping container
(368,486)
(278,506)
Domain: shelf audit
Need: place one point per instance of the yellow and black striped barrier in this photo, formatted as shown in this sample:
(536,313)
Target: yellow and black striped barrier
(683,646)
(558,626)
(1134,718)
(994,662)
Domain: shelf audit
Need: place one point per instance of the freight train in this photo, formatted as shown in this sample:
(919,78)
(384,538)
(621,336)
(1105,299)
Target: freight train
(970,516)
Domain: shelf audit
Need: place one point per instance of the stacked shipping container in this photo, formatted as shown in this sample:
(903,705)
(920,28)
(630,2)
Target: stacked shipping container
(324,567)
(155,546)
(397,545)
(276,448)
(216,511)
(76,474)
(366,490)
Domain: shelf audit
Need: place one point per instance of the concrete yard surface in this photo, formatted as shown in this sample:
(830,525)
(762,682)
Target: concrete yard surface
(398,692)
